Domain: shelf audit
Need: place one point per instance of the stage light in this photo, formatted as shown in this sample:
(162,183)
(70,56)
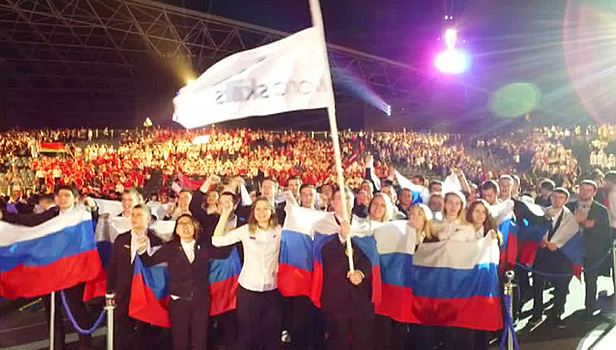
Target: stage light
(450,38)
(452,61)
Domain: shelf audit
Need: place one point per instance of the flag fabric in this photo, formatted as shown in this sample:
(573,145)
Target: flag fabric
(504,217)
(52,256)
(420,193)
(532,230)
(107,230)
(286,75)
(187,182)
(224,274)
(456,284)
(149,295)
(395,245)
(52,147)
(327,229)
(295,263)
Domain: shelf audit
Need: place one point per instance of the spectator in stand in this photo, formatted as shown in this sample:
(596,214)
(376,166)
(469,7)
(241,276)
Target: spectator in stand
(546,188)
(490,191)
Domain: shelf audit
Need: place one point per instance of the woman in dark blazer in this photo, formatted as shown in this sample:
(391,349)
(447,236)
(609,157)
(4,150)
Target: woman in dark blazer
(189,290)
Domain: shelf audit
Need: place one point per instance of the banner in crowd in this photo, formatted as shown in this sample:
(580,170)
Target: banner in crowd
(286,75)
(52,256)
(114,208)
(52,147)
(456,284)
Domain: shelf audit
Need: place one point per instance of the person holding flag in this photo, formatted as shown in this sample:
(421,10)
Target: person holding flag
(259,304)
(120,277)
(594,222)
(550,260)
(188,265)
(346,296)
(65,198)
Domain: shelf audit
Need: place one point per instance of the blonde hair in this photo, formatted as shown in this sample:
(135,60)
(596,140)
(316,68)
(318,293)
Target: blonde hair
(389,208)
(427,229)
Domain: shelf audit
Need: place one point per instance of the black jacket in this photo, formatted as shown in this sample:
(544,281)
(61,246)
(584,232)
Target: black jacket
(596,241)
(208,222)
(339,295)
(189,281)
(31,219)
(120,271)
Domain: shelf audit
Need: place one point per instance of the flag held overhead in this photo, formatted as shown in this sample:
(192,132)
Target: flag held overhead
(283,76)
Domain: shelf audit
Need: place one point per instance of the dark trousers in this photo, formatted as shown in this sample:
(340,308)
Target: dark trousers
(590,282)
(74,300)
(131,334)
(223,331)
(189,323)
(561,289)
(305,323)
(390,333)
(360,325)
(259,316)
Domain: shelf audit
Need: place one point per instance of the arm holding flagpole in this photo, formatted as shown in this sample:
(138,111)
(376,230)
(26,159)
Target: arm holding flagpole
(317,22)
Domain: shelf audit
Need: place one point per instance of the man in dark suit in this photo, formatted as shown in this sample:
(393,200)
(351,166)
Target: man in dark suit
(65,198)
(551,261)
(120,277)
(594,222)
(346,297)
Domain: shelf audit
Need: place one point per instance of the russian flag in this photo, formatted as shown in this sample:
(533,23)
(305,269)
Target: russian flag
(326,230)
(224,274)
(532,230)
(52,256)
(395,245)
(149,296)
(450,278)
(295,263)
(107,229)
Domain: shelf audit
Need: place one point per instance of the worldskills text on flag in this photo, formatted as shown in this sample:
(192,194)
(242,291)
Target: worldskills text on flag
(449,278)
(52,256)
(283,76)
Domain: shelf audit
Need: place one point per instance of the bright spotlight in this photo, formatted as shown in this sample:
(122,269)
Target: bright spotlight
(452,61)
(189,81)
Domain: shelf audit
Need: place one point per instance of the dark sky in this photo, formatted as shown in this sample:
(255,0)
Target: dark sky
(389,28)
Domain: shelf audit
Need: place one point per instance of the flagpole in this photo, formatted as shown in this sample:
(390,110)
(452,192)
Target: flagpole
(317,22)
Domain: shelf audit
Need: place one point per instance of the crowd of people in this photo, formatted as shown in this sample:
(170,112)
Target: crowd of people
(279,170)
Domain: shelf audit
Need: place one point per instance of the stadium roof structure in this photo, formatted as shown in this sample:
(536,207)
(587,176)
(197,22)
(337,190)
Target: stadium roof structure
(74,58)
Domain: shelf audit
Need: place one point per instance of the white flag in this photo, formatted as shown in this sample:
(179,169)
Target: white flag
(285,75)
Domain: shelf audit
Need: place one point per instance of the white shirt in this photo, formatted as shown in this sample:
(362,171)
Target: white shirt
(261,251)
(189,250)
(134,244)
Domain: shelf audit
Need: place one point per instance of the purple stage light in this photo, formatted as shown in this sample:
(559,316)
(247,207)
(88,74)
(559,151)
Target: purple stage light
(452,61)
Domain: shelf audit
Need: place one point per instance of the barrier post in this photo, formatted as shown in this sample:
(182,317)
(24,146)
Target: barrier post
(52,318)
(109,307)
(508,290)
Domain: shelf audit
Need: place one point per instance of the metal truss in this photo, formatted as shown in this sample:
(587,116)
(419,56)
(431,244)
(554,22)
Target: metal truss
(92,49)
